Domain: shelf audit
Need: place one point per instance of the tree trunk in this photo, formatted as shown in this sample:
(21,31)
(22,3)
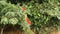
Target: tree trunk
(2,30)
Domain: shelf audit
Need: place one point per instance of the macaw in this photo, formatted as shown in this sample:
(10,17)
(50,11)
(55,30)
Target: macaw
(27,23)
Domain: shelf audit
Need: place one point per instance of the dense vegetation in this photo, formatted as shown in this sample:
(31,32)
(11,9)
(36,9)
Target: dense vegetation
(42,13)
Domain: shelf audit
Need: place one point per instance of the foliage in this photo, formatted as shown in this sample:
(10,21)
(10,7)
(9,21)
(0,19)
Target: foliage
(45,14)
(12,14)
(8,13)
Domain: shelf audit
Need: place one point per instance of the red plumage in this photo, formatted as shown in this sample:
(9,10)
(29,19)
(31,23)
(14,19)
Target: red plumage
(28,21)
(26,18)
